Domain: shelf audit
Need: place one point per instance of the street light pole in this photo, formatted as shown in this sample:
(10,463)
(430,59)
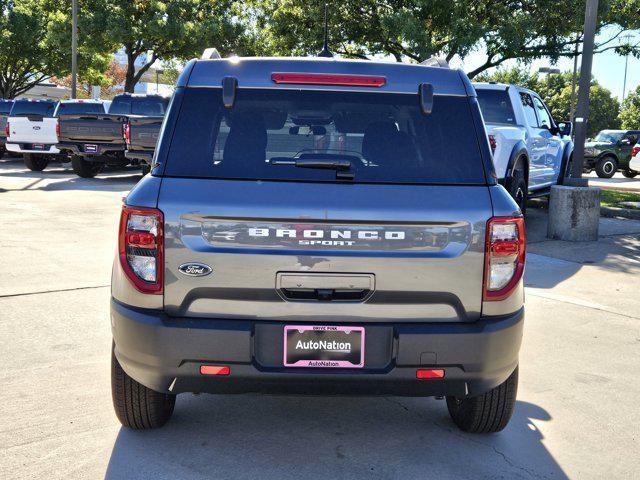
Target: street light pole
(626,61)
(74,47)
(582,111)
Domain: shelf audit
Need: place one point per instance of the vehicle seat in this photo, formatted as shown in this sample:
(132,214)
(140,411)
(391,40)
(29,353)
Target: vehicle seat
(246,143)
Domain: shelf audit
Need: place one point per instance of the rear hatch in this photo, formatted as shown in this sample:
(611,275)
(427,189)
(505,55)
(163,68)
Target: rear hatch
(383,218)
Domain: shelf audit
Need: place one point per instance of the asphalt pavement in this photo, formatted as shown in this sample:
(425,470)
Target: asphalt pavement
(577,414)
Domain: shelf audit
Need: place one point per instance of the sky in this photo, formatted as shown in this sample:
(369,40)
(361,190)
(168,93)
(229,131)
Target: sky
(608,67)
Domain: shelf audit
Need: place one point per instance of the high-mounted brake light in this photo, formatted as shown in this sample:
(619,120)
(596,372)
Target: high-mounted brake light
(504,256)
(492,142)
(329,79)
(635,151)
(141,247)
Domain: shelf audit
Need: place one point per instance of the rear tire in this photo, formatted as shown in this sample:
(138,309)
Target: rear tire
(630,173)
(486,413)
(35,163)
(85,169)
(606,167)
(518,189)
(137,406)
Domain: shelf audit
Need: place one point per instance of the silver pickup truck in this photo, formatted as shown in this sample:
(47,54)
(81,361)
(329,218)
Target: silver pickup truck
(530,151)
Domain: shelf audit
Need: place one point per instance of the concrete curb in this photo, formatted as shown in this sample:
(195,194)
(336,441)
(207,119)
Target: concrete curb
(609,212)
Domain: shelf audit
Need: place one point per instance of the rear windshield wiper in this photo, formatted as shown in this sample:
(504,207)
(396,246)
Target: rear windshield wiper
(314,163)
(342,167)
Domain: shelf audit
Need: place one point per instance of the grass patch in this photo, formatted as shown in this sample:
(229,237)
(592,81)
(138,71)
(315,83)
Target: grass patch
(612,198)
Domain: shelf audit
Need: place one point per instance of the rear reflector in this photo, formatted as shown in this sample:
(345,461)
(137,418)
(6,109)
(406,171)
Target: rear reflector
(329,79)
(423,374)
(214,370)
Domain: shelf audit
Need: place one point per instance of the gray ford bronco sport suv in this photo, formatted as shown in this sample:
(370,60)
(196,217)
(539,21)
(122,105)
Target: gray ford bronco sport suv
(319,226)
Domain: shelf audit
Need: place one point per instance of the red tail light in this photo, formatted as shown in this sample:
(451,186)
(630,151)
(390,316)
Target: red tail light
(126,132)
(7,128)
(329,79)
(492,142)
(504,256)
(141,247)
(58,128)
(635,151)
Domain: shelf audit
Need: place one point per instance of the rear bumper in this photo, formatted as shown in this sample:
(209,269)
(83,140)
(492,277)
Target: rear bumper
(102,149)
(50,149)
(140,155)
(165,354)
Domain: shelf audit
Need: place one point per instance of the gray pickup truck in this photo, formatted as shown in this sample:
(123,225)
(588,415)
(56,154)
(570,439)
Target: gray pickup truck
(141,135)
(94,141)
(309,227)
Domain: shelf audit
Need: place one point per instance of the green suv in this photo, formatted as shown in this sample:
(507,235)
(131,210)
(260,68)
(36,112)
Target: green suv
(610,152)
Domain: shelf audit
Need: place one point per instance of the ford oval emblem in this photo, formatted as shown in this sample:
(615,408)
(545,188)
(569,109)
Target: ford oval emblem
(195,269)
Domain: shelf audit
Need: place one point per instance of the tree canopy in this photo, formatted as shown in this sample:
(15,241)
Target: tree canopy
(35,44)
(630,111)
(500,30)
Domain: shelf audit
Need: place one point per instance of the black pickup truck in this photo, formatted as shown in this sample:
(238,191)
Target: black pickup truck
(141,135)
(96,140)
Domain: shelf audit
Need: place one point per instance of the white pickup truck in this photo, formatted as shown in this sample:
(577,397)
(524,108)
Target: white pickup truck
(530,151)
(31,131)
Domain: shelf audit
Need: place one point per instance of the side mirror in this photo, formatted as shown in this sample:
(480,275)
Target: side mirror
(565,129)
(425,91)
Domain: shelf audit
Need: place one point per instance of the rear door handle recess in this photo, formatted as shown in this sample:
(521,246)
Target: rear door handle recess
(325,287)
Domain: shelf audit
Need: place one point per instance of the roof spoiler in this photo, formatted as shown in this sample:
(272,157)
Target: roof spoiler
(436,62)
(210,54)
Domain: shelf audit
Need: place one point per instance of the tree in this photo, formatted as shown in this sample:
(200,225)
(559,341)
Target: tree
(35,45)
(630,111)
(174,29)
(113,76)
(419,29)
(555,90)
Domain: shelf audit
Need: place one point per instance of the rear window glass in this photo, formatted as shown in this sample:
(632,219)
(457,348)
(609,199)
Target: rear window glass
(496,106)
(149,106)
(33,108)
(5,107)
(381,138)
(79,108)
